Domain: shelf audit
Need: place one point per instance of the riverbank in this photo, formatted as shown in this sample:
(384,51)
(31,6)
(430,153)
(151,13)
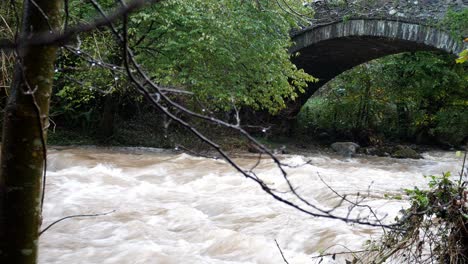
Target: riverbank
(229,141)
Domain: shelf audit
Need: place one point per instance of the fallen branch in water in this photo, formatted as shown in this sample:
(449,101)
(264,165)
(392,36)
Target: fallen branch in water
(281,251)
(73,216)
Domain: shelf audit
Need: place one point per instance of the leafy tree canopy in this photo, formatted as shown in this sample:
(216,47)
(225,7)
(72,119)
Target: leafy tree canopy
(227,52)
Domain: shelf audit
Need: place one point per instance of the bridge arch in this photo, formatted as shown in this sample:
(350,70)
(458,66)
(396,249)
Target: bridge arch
(326,51)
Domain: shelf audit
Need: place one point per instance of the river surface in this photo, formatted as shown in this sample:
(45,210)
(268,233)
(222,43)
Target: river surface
(173,208)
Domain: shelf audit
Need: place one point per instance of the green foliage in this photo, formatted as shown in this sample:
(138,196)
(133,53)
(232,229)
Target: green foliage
(412,96)
(440,181)
(452,123)
(418,197)
(227,52)
(80,85)
(457,23)
(74,98)
(440,187)
(83,11)
(346,18)
(463,57)
(432,228)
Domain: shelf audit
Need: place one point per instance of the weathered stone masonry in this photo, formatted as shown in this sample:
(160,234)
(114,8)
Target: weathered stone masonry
(346,38)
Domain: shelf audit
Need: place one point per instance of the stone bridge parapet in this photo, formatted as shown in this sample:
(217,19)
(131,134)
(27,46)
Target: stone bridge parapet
(426,12)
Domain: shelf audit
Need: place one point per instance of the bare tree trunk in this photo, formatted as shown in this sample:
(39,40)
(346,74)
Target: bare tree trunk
(24,134)
(106,125)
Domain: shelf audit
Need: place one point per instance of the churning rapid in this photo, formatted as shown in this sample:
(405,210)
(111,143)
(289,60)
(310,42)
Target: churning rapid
(175,208)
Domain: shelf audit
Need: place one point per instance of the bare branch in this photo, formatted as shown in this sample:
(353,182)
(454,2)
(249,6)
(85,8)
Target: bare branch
(59,38)
(129,59)
(72,216)
(281,251)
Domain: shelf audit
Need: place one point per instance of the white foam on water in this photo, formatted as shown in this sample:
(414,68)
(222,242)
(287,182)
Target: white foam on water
(175,208)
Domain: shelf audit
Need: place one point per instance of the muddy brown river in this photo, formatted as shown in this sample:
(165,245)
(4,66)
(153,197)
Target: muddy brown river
(173,208)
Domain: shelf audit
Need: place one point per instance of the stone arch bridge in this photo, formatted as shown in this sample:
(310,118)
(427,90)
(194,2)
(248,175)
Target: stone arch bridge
(344,35)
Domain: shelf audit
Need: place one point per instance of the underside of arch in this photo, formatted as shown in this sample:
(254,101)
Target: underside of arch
(328,51)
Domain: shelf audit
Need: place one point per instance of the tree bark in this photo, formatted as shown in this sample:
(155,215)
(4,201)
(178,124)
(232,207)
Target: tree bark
(106,125)
(24,135)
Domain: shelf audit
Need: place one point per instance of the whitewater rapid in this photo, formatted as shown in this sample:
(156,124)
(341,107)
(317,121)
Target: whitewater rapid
(175,208)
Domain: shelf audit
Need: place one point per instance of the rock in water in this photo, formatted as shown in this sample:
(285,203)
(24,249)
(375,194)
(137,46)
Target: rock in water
(404,152)
(252,148)
(346,149)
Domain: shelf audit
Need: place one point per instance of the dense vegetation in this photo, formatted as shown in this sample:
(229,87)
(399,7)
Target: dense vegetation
(419,97)
(227,54)
(192,45)
(431,230)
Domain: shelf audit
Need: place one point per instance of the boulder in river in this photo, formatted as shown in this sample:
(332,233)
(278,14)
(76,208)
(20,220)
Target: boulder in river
(404,152)
(252,148)
(346,149)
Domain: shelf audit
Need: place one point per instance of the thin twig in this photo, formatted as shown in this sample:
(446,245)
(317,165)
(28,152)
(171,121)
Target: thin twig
(462,172)
(281,251)
(60,38)
(73,216)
